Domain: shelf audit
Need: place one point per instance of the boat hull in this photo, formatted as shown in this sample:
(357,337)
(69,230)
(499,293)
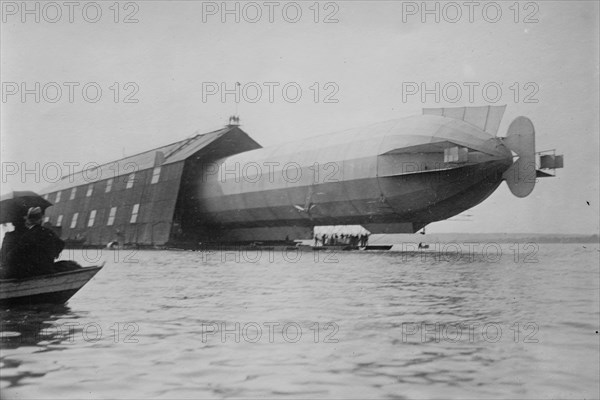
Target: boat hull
(54,288)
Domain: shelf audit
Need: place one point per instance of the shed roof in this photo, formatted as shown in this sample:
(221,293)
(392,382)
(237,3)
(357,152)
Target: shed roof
(164,155)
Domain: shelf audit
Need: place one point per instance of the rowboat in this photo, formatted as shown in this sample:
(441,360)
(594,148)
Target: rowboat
(55,288)
(378,247)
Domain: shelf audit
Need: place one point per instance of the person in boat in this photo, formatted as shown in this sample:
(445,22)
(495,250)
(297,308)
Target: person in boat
(9,244)
(36,250)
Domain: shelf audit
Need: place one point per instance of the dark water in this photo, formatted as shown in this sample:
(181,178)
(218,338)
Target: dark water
(159,324)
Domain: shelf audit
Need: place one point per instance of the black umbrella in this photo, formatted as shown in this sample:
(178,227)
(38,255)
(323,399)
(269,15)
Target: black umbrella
(14,205)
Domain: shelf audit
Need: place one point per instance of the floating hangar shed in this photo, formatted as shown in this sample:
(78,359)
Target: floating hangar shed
(143,199)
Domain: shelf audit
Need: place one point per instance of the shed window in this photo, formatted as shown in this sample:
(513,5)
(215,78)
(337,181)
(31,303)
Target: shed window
(134,213)
(90,190)
(59,220)
(57,197)
(109,185)
(130,181)
(73,193)
(92,218)
(111,216)
(74,220)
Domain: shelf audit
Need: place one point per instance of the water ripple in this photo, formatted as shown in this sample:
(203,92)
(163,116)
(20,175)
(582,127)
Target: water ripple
(385,325)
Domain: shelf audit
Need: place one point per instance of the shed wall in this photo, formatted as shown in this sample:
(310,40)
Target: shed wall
(154,217)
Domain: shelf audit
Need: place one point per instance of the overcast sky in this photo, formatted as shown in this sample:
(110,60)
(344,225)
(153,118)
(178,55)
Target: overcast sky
(368,52)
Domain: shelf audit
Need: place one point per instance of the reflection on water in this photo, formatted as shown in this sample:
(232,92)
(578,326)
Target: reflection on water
(161,324)
(31,325)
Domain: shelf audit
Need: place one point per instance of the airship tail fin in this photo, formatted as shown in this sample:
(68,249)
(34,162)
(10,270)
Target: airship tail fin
(486,118)
(520,139)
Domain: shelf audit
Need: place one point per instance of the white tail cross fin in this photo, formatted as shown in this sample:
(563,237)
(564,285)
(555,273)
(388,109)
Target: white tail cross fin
(486,118)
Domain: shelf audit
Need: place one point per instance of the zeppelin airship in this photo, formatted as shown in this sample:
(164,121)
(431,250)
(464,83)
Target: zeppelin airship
(392,177)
